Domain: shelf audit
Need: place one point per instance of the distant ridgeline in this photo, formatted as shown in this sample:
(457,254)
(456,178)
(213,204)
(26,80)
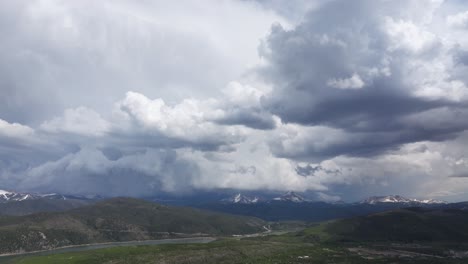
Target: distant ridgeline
(292,206)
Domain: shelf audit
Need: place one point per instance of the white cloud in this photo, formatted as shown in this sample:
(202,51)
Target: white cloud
(81,120)
(458,20)
(408,36)
(187,121)
(14,130)
(243,95)
(353,82)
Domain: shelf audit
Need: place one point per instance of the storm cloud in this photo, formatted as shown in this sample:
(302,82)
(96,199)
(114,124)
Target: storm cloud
(360,71)
(340,99)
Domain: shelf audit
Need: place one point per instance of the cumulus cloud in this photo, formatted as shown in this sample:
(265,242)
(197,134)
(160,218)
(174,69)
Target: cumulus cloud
(241,105)
(344,98)
(14,130)
(407,36)
(186,123)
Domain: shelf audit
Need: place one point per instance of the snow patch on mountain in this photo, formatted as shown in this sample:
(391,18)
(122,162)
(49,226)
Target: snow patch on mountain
(290,197)
(399,199)
(242,199)
(11,196)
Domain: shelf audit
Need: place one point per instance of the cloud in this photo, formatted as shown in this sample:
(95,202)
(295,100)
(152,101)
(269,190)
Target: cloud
(14,130)
(292,10)
(88,171)
(407,36)
(241,105)
(310,170)
(344,99)
(16,139)
(362,82)
(328,198)
(353,82)
(458,20)
(63,54)
(81,120)
(184,124)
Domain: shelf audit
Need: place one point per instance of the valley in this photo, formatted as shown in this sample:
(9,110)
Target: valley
(398,235)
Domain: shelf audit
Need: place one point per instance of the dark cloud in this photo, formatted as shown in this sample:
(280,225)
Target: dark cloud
(461,56)
(250,170)
(88,171)
(249,117)
(122,98)
(340,69)
(310,170)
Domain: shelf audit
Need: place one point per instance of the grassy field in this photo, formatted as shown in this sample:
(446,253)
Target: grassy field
(287,248)
(226,251)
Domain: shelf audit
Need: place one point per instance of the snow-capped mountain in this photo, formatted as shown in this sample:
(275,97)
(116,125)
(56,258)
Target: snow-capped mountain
(242,199)
(11,196)
(290,197)
(399,199)
(433,201)
(8,196)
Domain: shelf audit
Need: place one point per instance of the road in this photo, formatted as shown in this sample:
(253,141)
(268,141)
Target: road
(5,258)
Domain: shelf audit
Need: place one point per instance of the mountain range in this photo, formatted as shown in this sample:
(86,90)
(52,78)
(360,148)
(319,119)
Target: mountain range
(86,221)
(294,197)
(238,198)
(23,203)
(271,207)
(12,196)
(399,199)
(293,206)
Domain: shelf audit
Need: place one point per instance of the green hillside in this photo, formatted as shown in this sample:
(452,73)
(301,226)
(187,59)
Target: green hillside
(401,236)
(40,205)
(406,225)
(118,219)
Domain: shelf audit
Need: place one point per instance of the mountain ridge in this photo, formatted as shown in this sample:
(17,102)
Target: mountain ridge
(399,199)
(13,196)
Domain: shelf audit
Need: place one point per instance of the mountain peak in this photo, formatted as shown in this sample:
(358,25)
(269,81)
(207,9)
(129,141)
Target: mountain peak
(242,199)
(290,196)
(7,196)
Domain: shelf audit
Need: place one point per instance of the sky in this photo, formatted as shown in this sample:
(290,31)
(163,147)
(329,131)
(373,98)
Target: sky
(340,99)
